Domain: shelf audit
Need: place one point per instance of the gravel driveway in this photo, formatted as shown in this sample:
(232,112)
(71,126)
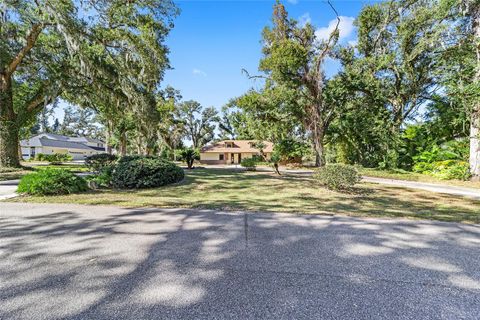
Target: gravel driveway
(81,262)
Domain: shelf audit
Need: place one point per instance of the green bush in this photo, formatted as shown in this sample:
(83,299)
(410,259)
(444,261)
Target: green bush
(249,163)
(98,162)
(102,178)
(51,182)
(338,176)
(446,169)
(54,158)
(145,172)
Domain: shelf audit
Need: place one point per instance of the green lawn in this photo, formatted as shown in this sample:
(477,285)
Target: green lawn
(263,191)
(399,174)
(29,167)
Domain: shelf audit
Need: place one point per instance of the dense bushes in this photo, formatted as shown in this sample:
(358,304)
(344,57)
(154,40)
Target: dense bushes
(145,172)
(338,176)
(249,164)
(99,162)
(51,182)
(446,169)
(447,161)
(54,158)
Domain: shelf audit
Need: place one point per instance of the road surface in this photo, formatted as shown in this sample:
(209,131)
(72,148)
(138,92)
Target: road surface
(82,262)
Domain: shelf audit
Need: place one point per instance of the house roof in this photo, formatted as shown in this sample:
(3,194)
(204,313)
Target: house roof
(46,142)
(60,141)
(238,146)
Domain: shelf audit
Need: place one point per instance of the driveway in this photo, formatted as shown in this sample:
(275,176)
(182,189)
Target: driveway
(8,188)
(81,262)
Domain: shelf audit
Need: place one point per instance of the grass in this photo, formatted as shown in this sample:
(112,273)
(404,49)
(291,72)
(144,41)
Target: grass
(17,173)
(399,174)
(262,191)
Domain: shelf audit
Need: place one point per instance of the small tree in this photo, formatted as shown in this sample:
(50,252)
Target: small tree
(189,156)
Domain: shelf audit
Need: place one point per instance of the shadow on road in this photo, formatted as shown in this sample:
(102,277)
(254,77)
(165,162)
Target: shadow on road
(105,263)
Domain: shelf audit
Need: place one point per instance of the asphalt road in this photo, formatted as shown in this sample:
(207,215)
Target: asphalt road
(80,262)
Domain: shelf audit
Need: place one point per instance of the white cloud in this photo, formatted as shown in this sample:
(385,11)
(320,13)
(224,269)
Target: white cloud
(304,19)
(346,28)
(199,72)
(353,43)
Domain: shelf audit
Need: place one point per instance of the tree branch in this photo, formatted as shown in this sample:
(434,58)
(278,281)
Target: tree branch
(32,37)
(328,44)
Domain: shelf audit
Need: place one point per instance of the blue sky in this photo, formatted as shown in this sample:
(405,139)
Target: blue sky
(213,40)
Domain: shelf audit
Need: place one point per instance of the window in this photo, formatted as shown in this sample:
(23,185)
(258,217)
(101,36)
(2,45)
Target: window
(221,157)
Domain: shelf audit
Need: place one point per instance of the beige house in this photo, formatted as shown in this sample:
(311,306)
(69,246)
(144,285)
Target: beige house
(232,151)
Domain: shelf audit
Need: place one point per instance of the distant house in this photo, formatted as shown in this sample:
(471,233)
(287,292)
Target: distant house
(48,143)
(232,151)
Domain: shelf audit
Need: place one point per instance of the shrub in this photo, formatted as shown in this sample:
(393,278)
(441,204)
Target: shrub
(98,162)
(338,176)
(102,179)
(249,164)
(54,158)
(40,157)
(145,172)
(51,182)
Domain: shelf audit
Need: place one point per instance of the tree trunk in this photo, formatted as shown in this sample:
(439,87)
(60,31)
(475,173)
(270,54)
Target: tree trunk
(475,117)
(8,126)
(318,147)
(475,143)
(108,136)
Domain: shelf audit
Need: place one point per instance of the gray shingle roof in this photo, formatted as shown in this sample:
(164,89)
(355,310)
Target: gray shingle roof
(63,144)
(60,141)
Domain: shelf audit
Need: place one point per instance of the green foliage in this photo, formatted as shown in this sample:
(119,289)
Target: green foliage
(51,182)
(444,169)
(447,161)
(134,172)
(98,162)
(249,164)
(106,54)
(338,176)
(291,150)
(54,158)
(198,123)
(103,178)
(189,156)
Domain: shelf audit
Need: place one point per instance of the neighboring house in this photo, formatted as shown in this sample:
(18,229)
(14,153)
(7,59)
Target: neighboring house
(48,143)
(232,151)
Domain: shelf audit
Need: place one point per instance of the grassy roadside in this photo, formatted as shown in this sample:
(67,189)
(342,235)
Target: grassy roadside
(263,191)
(413,176)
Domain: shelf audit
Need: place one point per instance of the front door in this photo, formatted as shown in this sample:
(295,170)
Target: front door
(239,158)
(232,158)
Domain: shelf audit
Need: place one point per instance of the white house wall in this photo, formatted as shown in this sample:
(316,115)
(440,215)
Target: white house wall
(77,154)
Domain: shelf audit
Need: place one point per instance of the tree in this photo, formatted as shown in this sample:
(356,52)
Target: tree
(47,49)
(397,53)
(473,11)
(56,126)
(198,123)
(189,156)
(295,83)
(79,122)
